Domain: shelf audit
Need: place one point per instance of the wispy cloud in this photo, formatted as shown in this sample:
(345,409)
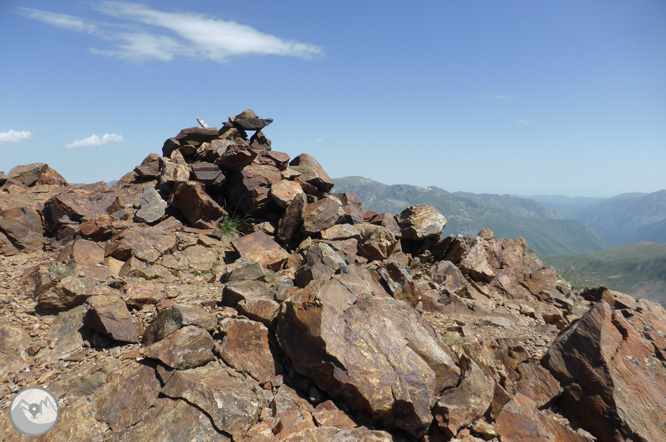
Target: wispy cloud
(523,122)
(157,35)
(319,141)
(499,97)
(94,141)
(13,136)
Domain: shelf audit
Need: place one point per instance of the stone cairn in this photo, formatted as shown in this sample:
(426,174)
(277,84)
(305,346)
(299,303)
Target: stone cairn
(222,292)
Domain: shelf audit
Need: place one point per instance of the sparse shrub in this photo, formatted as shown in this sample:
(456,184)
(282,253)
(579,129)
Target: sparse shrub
(60,270)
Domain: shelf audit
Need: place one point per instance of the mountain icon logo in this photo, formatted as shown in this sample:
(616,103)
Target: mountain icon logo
(34,411)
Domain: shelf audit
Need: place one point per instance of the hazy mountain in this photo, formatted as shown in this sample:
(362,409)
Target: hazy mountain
(638,269)
(566,207)
(507,216)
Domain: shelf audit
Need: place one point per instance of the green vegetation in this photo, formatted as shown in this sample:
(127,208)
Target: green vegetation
(637,269)
(196,273)
(60,270)
(452,339)
(232,224)
(176,273)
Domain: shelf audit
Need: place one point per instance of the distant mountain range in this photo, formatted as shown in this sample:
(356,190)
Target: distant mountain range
(467,213)
(620,220)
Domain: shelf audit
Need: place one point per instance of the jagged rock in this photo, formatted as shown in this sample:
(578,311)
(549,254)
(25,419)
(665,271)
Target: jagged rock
(51,177)
(232,406)
(70,292)
(144,243)
(538,384)
(81,253)
(14,342)
(173,318)
(311,172)
(248,271)
(3,177)
(28,174)
(68,332)
(248,120)
(377,243)
(292,219)
(73,207)
(261,248)
(245,348)
(293,413)
(321,215)
(420,222)
(6,246)
(23,227)
(207,173)
(320,260)
(279,159)
(199,208)
(400,284)
(520,421)
(76,422)
(375,370)
(109,315)
(149,167)
(352,206)
(187,347)
(152,207)
(341,232)
(194,424)
(260,143)
(460,406)
(249,188)
(128,393)
(475,263)
(605,365)
(332,434)
(328,415)
(263,310)
(138,295)
(171,172)
(284,192)
(238,291)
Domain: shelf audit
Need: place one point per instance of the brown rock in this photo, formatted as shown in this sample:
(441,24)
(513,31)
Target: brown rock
(23,227)
(187,347)
(232,406)
(520,421)
(245,348)
(604,366)
(74,207)
(312,172)
(264,310)
(6,246)
(321,215)
(284,192)
(333,434)
(249,188)
(206,173)
(128,393)
(352,206)
(138,295)
(328,415)
(279,159)
(377,243)
(293,413)
(388,221)
(109,315)
(28,174)
(237,291)
(81,253)
(76,422)
(144,243)
(420,222)
(375,370)
(196,205)
(341,232)
(14,342)
(538,384)
(171,172)
(261,248)
(292,219)
(320,260)
(247,120)
(400,284)
(460,406)
(200,258)
(70,292)
(173,318)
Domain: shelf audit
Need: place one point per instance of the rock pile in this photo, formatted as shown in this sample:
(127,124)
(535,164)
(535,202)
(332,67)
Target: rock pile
(222,292)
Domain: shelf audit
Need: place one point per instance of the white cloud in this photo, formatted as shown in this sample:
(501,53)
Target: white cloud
(499,97)
(319,141)
(163,36)
(63,21)
(94,141)
(523,122)
(13,136)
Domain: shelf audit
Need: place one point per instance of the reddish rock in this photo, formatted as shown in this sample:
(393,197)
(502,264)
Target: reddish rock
(144,243)
(263,310)
(261,248)
(387,221)
(249,188)
(259,143)
(185,348)
(70,292)
(377,243)
(520,421)
(284,192)
(175,317)
(81,253)
(206,173)
(172,172)
(312,172)
(292,219)
(28,174)
(51,177)
(328,415)
(109,315)
(199,208)
(538,384)
(74,207)
(321,215)
(605,365)
(23,228)
(341,232)
(279,159)
(420,222)
(138,295)
(245,348)
(232,406)
(352,206)
(248,120)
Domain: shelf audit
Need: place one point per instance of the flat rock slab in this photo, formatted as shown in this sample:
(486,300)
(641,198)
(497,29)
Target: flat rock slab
(322,215)
(232,406)
(261,248)
(387,361)
(187,347)
(70,292)
(284,192)
(173,318)
(144,243)
(128,393)
(245,348)
(109,315)
(420,222)
(80,253)
(13,343)
(23,227)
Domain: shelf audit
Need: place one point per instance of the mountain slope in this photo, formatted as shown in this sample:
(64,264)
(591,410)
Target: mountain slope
(638,269)
(468,215)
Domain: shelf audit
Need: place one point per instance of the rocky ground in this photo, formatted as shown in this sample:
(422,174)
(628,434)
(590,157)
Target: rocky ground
(222,292)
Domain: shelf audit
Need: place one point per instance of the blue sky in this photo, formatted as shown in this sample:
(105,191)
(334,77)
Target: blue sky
(520,97)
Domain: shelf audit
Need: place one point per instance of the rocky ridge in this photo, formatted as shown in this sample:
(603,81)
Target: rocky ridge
(222,292)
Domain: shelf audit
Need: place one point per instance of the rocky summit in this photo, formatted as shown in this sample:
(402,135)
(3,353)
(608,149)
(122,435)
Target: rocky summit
(222,291)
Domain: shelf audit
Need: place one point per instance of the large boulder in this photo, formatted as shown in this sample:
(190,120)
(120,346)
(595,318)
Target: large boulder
(613,381)
(393,368)
(312,172)
(27,175)
(420,222)
(199,208)
(23,227)
(261,248)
